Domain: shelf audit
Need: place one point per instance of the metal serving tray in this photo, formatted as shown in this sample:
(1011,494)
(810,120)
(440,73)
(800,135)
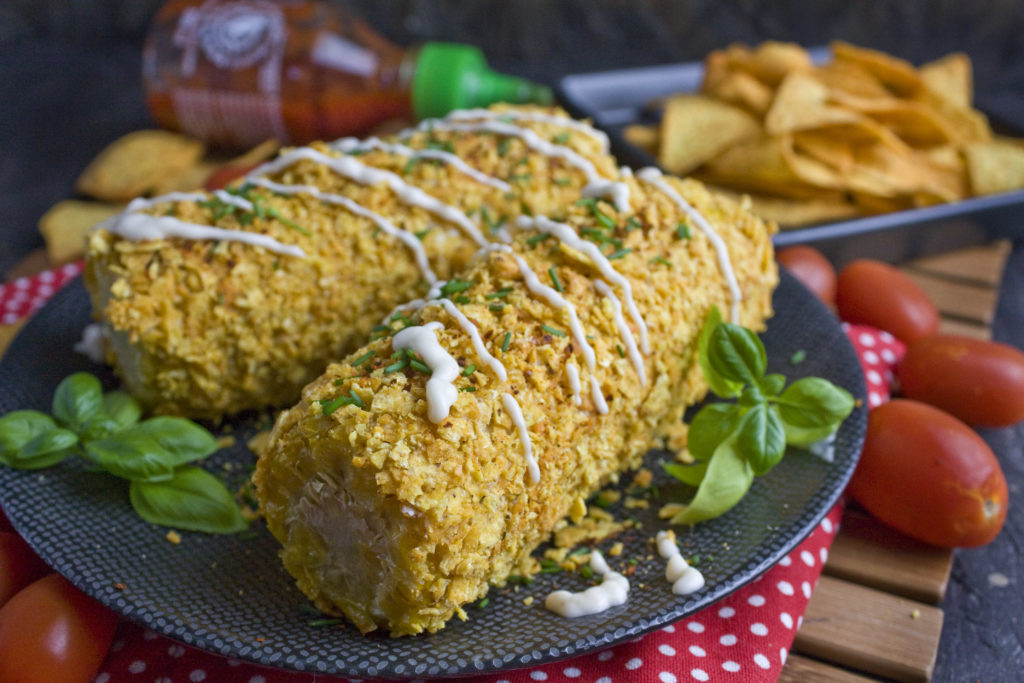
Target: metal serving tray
(615,99)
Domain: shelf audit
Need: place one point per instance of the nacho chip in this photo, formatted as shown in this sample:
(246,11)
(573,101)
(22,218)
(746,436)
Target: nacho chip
(896,74)
(736,87)
(644,137)
(792,213)
(65,225)
(850,78)
(802,103)
(695,128)
(137,163)
(951,79)
(995,166)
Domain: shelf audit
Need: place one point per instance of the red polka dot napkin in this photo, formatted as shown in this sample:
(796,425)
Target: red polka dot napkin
(744,637)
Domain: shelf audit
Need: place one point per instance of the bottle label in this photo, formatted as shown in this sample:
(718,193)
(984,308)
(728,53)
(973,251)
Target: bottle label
(232,36)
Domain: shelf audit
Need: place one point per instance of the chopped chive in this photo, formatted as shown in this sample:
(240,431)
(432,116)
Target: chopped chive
(469,389)
(798,357)
(505,342)
(395,367)
(582,550)
(525,209)
(517,578)
(562,181)
(421,366)
(409,165)
(329,407)
(500,294)
(399,315)
(273,213)
(275,265)
(380,328)
(620,253)
(496,308)
(618,347)
(662,260)
(422,233)
(520,177)
(553,330)
(537,239)
(341,380)
(633,223)
(503,146)
(318,623)
(549,567)
(363,358)
(683,231)
(554,279)
(462,299)
(492,225)
(483,603)
(468,370)
(560,139)
(586,572)
(443,145)
(454,286)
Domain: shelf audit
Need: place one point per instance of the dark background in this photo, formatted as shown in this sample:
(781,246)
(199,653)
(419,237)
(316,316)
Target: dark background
(70,83)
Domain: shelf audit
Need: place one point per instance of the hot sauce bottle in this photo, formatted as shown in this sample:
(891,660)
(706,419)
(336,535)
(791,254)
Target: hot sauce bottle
(237,72)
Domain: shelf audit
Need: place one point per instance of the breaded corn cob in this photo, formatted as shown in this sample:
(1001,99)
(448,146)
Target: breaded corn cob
(206,324)
(562,367)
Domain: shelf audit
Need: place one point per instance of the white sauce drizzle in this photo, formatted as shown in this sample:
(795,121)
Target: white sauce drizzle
(597,186)
(684,578)
(467,326)
(349,145)
(611,592)
(136,227)
(654,177)
(624,331)
(359,172)
(407,238)
(568,236)
(557,301)
(511,405)
(469,114)
(441,391)
(93,343)
(574,382)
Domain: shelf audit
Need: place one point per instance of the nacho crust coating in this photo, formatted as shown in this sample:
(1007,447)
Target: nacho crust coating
(396,522)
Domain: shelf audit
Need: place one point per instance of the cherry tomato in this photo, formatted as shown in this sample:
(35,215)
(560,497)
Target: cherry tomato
(980,382)
(927,474)
(5,524)
(220,177)
(51,631)
(810,267)
(875,293)
(19,566)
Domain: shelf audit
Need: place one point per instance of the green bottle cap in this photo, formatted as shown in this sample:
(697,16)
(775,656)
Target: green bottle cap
(452,76)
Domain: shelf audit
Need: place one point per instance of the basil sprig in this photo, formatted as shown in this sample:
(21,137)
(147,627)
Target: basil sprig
(153,454)
(735,441)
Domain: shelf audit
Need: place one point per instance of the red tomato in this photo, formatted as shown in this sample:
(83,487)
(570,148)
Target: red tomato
(927,474)
(810,267)
(875,293)
(5,524)
(223,175)
(980,382)
(19,566)
(51,631)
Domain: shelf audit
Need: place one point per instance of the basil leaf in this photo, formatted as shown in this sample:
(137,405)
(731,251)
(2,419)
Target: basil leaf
(193,499)
(182,439)
(716,383)
(49,448)
(772,384)
(710,427)
(727,480)
(735,353)
(692,475)
(814,402)
(761,439)
(134,455)
(121,408)
(78,397)
(804,437)
(19,427)
(97,427)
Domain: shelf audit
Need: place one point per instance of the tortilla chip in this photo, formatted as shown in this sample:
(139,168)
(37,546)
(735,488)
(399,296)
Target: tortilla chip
(800,104)
(65,226)
(896,74)
(695,128)
(644,137)
(735,87)
(951,79)
(792,213)
(137,163)
(995,166)
(850,78)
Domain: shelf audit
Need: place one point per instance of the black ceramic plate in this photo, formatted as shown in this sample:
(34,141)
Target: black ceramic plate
(229,594)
